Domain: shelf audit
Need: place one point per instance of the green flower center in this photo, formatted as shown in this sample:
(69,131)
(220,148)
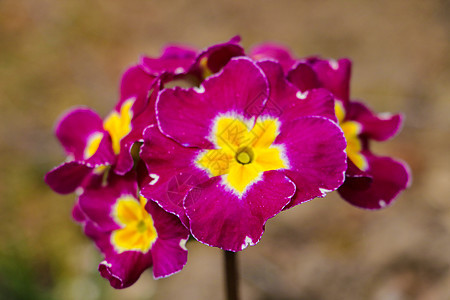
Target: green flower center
(244,156)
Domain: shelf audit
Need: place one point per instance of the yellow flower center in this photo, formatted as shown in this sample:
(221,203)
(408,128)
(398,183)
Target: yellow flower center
(137,232)
(351,130)
(119,124)
(241,153)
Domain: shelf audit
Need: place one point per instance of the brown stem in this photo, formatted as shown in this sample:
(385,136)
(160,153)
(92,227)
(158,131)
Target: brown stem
(231,275)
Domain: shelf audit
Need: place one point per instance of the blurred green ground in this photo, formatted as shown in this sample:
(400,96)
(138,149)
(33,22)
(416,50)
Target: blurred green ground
(58,54)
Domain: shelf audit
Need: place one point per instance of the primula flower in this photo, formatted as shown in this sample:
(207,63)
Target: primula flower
(94,145)
(252,136)
(372,181)
(132,233)
(251,145)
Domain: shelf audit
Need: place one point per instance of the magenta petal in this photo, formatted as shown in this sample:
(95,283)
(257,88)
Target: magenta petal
(167,225)
(99,236)
(287,103)
(174,60)
(125,159)
(303,77)
(390,177)
(334,76)
(169,252)
(187,115)
(172,172)
(97,203)
(77,214)
(122,270)
(74,130)
(273,52)
(317,102)
(169,257)
(148,115)
(138,124)
(315,148)
(135,84)
(66,178)
(378,127)
(220,218)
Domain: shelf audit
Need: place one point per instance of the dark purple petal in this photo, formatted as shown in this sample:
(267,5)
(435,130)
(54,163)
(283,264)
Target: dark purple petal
(171,171)
(174,60)
(142,174)
(273,52)
(66,178)
(169,252)
(220,218)
(74,131)
(214,58)
(303,77)
(333,75)
(315,149)
(355,176)
(97,203)
(187,115)
(378,127)
(122,270)
(389,176)
(287,103)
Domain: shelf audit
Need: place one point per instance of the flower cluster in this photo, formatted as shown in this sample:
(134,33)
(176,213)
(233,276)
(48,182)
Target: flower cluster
(246,137)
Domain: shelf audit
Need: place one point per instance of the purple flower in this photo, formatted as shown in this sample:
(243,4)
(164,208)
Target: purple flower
(94,145)
(251,136)
(372,181)
(132,233)
(244,146)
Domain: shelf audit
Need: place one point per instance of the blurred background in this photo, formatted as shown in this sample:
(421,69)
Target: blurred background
(58,54)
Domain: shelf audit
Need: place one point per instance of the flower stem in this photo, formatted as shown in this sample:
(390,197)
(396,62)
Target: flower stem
(231,275)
